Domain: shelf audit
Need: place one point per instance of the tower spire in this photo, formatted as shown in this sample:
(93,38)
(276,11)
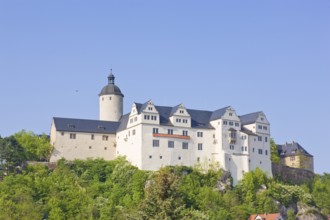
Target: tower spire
(111,78)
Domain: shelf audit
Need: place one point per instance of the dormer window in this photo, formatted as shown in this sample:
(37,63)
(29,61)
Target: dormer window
(150,108)
(181,112)
(230,114)
(71,126)
(101,127)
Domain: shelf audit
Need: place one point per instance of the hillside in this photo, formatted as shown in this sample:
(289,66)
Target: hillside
(98,189)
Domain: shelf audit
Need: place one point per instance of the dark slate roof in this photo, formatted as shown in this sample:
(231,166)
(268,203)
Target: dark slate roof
(291,149)
(174,110)
(111,89)
(218,113)
(83,125)
(123,122)
(249,118)
(199,118)
(248,132)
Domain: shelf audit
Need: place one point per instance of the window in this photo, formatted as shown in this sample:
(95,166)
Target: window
(181,111)
(232,134)
(135,118)
(185,145)
(110,98)
(154,118)
(198,159)
(169,131)
(105,148)
(150,108)
(185,121)
(178,120)
(62,133)
(105,137)
(170,144)
(92,136)
(131,120)
(185,133)
(253,150)
(266,139)
(150,156)
(72,136)
(200,134)
(147,117)
(179,158)
(236,124)
(259,138)
(266,152)
(231,123)
(200,146)
(260,127)
(245,148)
(155,130)
(160,157)
(265,128)
(260,151)
(225,122)
(242,148)
(90,147)
(133,132)
(262,119)
(230,114)
(155,143)
(231,147)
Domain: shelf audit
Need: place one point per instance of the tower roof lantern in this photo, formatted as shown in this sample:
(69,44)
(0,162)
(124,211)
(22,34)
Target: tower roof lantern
(111,88)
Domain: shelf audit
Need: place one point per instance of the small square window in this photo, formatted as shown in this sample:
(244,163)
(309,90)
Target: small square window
(90,147)
(179,158)
(155,143)
(160,157)
(105,148)
(92,137)
(150,157)
(185,145)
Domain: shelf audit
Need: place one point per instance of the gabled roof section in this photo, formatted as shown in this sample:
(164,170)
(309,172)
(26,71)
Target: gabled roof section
(199,118)
(248,132)
(86,126)
(217,114)
(292,149)
(175,109)
(250,118)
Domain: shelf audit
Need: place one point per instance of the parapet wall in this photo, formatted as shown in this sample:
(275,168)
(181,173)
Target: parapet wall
(292,175)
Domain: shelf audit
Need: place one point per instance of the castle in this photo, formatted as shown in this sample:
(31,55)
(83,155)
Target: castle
(152,136)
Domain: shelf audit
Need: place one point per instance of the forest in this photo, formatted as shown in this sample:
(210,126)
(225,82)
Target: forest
(99,189)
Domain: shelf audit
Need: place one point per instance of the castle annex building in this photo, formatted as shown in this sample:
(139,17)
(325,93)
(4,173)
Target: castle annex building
(152,136)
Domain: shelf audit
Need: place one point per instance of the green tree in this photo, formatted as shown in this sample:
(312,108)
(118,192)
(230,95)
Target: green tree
(162,197)
(37,147)
(321,192)
(274,156)
(12,154)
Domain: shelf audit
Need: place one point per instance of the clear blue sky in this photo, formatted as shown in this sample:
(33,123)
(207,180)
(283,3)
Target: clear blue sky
(254,55)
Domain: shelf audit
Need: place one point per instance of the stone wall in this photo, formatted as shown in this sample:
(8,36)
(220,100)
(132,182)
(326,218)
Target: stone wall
(292,175)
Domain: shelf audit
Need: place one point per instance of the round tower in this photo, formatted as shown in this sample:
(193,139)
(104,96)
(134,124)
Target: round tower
(111,101)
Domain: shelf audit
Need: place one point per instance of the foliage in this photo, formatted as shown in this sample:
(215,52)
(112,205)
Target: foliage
(274,156)
(12,154)
(99,189)
(321,192)
(37,147)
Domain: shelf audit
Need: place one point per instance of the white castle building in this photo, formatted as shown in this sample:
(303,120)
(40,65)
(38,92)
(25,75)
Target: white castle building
(152,136)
